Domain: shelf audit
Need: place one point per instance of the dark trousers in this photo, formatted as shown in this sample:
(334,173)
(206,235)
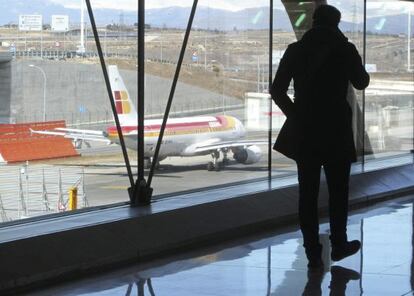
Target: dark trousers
(337,177)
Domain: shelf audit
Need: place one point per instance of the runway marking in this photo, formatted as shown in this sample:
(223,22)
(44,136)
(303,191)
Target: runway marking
(115,187)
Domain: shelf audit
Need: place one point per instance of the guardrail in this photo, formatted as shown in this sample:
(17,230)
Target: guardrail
(28,191)
(70,54)
(61,54)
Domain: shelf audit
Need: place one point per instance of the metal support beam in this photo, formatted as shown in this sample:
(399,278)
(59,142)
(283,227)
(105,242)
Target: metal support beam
(109,89)
(364,60)
(140,193)
(141,87)
(269,163)
(174,84)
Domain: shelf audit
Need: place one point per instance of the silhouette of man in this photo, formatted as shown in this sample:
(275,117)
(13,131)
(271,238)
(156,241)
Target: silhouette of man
(318,130)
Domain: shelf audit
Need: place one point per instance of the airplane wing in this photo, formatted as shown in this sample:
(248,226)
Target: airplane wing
(226,144)
(75,134)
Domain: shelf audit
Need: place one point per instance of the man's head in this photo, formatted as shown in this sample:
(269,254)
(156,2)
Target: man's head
(326,15)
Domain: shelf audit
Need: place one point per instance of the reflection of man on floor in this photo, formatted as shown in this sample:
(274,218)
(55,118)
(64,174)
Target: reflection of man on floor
(318,130)
(340,277)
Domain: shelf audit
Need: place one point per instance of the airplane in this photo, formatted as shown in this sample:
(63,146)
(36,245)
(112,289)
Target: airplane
(185,137)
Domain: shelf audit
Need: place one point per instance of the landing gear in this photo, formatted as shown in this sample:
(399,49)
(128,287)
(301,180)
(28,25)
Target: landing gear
(226,160)
(210,166)
(77,143)
(148,163)
(214,165)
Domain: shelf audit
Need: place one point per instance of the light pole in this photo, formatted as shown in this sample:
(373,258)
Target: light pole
(81,48)
(409,41)
(221,69)
(44,88)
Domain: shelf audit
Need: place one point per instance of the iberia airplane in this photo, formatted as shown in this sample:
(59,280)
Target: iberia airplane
(186,136)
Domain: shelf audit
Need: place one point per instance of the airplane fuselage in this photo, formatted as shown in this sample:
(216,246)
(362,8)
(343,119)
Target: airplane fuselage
(182,135)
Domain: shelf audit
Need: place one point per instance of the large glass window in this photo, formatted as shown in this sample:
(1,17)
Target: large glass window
(389,98)
(290,21)
(352,25)
(55,138)
(214,135)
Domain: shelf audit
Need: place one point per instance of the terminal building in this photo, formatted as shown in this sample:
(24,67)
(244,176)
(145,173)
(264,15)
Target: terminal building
(136,150)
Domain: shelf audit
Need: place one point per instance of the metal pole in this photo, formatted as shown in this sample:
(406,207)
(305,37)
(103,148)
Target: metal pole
(60,193)
(222,91)
(269,150)
(409,41)
(258,72)
(22,196)
(44,191)
(140,193)
(86,37)
(269,268)
(412,251)
(141,88)
(205,52)
(364,54)
(85,201)
(174,84)
(26,200)
(110,93)
(82,29)
(361,267)
(161,57)
(3,211)
(41,44)
(44,95)
(44,88)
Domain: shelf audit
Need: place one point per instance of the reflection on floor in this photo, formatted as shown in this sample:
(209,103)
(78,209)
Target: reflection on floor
(275,264)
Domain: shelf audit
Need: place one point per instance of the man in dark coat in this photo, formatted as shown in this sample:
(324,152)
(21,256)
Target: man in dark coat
(318,130)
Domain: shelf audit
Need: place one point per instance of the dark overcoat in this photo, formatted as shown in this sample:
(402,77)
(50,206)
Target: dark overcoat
(319,119)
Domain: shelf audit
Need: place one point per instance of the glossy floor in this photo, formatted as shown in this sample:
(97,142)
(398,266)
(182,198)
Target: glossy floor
(275,264)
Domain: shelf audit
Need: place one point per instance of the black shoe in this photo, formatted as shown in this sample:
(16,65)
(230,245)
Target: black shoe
(344,274)
(340,278)
(341,251)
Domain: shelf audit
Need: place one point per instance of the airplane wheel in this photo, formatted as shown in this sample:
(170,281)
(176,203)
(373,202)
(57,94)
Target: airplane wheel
(217,168)
(226,161)
(147,163)
(210,166)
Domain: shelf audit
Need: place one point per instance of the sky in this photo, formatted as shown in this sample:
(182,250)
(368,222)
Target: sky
(383,7)
(132,4)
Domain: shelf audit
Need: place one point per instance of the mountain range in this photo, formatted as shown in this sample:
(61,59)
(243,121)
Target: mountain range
(177,17)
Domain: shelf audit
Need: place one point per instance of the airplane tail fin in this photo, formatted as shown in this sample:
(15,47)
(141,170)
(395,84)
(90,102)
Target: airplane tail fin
(124,107)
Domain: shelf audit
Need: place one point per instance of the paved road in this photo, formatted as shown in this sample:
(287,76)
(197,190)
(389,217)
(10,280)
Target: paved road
(108,183)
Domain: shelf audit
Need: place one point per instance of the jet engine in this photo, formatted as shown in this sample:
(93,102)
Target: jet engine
(248,155)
